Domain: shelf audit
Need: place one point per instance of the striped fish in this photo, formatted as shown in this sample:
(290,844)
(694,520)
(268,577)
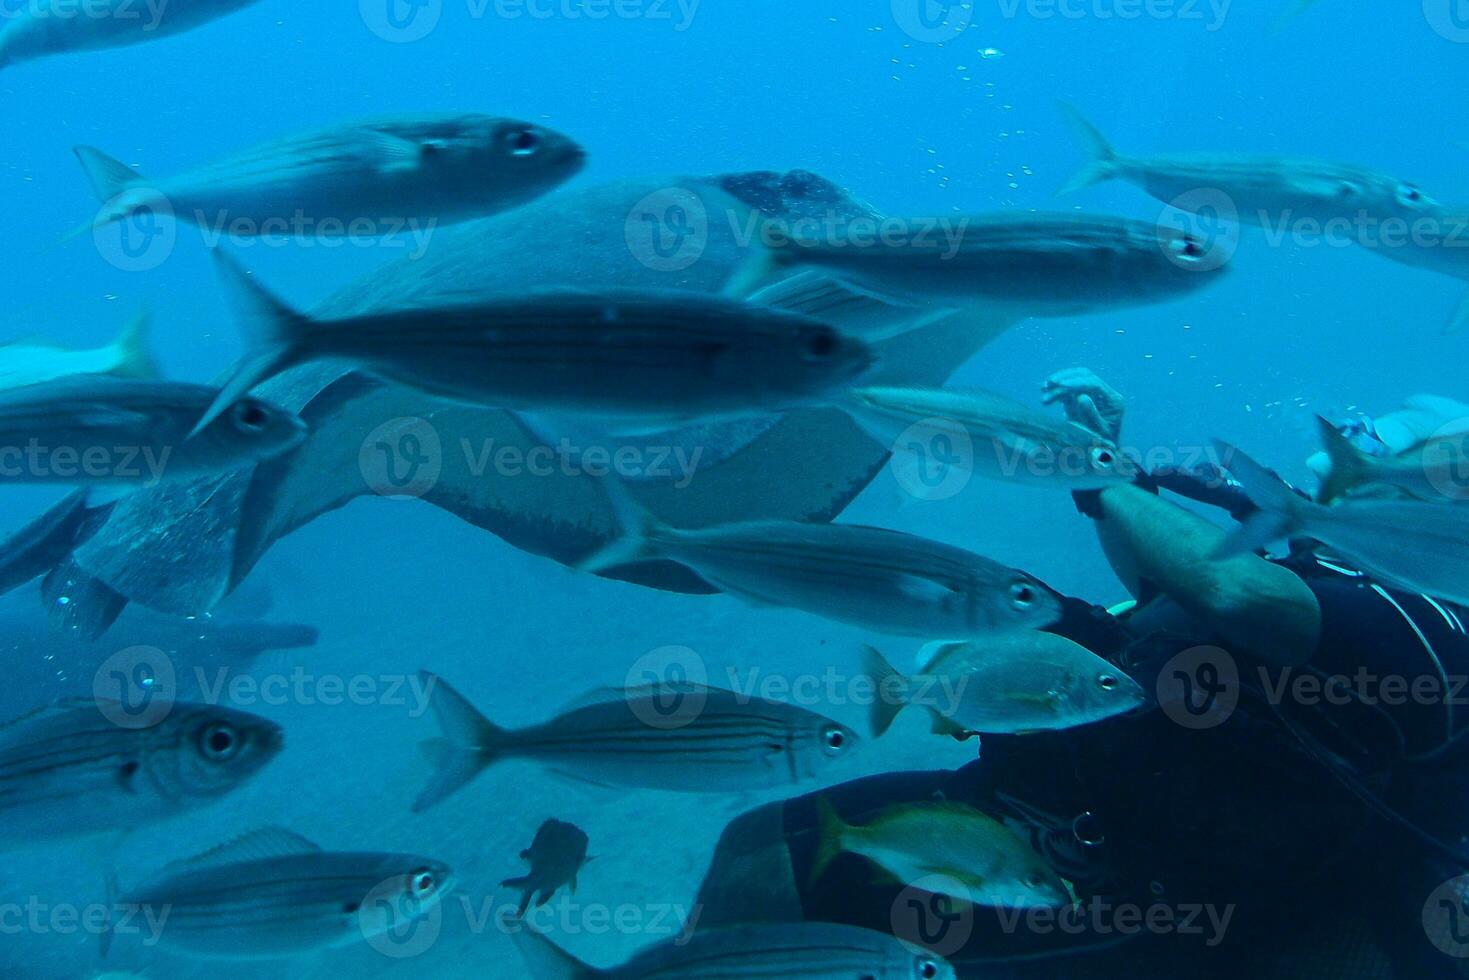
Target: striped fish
(684,738)
(800,951)
(649,357)
(99,429)
(890,581)
(39,28)
(72,769)
(374,177)
(272,893)
(1044,265)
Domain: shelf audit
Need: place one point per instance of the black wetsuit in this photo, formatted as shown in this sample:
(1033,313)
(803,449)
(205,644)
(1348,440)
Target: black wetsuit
(1257,812)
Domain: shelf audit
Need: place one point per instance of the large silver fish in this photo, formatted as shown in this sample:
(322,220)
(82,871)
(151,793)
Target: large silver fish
(692,739)
(386,176)
(1004,439)
(890,581)
(101,430)
(799,951)
(1046,265)
(618,356)
(74,769)
(272,894)
(33,361)
(1408,542)
(1391,217)
(46,27)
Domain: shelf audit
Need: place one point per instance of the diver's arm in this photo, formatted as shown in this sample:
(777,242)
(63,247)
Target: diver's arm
(1266,609)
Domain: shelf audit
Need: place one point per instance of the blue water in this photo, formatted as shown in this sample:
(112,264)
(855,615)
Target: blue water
(834,87)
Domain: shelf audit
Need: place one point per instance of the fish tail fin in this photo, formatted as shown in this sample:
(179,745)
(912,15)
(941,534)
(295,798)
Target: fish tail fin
(108,177)
(1103,165)
(469,744)
(1347,463)
(274,332)
(831,833)
(134,360)
(633,528)
(1280,507)
(1460,319)
(544,960)
(892,690)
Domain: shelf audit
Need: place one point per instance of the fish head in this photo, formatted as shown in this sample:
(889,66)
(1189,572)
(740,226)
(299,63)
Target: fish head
(827,741)
(1094,691)
(1024,603)
(1037,886)
(213,750)
(1178,262)
(408,888)
(511,159)
(1102,464)
(817,357)
(247,431)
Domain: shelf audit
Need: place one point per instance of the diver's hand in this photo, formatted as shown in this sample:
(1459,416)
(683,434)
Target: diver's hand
(1087,400)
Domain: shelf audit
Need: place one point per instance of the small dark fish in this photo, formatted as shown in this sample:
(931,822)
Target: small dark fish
(72,770)
(641,357)
(687,740)
(556,856)
(99,430)
(46,27)
(799,951)
(273,894)
(375,177)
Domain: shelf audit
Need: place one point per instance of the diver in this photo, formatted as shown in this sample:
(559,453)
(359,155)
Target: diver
(1319,833)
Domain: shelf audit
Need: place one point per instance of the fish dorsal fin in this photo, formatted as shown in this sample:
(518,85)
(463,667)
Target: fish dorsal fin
(612,695)
(257,845)
(60,706)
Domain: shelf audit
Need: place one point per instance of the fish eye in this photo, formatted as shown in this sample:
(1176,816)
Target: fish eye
(423,883)
(1187,249)
(249,416)
(821,343)
(1034,881)
(1022,595)
(523,142)
(834,739)
(1103,458)
(219,743)
(1408,195)
(1108,682)
(927,970)
(1346,189)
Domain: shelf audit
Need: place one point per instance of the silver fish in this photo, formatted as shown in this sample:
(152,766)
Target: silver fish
(1045,265)
(1430,469)
(689,739)
(272,893)
(48,27)
(383,176)
(1009,685)
(71,770)
(1006,439)
(1411,543)
(29,362)
(98,430)
(880,579)
(799,951)
(639,357)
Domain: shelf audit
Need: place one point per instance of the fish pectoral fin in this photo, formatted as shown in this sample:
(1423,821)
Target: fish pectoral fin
(922,589)
(394,154)
(1460,319)
(861,312)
